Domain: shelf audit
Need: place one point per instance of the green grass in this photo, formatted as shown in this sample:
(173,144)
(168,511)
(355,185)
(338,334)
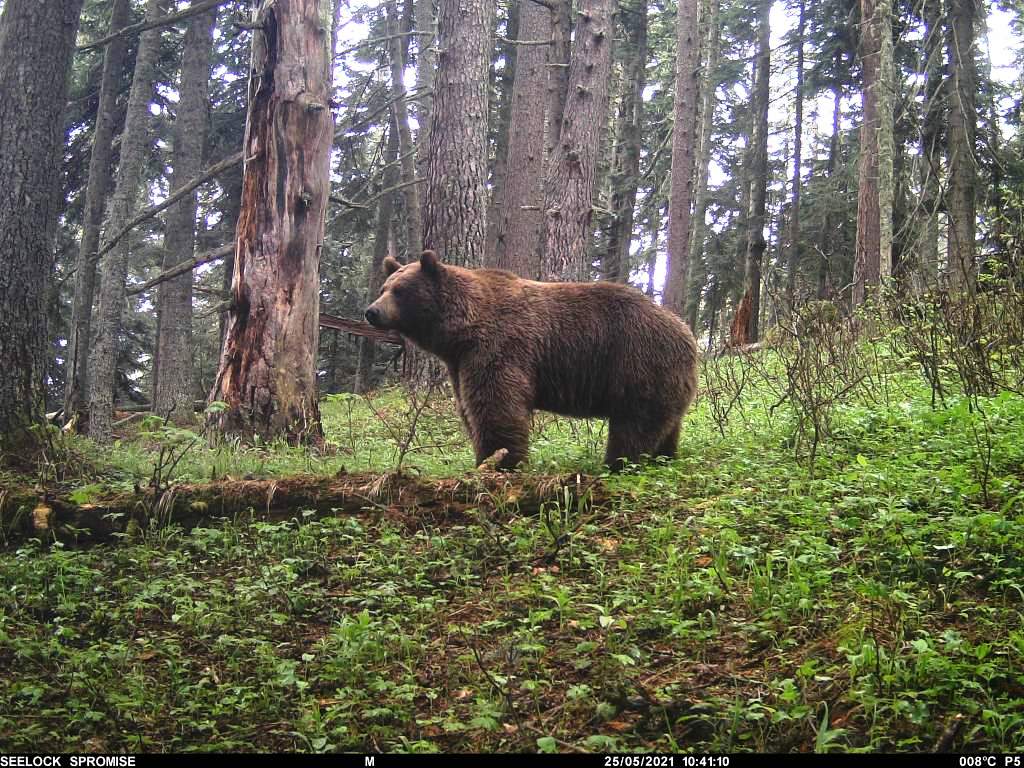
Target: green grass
(733,599)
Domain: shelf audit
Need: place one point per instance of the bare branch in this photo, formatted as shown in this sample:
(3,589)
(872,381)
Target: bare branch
(366,203)
(163,21)
(153,210)
(524,42)
(182,268)
(382,39)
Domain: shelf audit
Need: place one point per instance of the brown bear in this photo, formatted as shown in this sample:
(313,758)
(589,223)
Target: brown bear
(579,349)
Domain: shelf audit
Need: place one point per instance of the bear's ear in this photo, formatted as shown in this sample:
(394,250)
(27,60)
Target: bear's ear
(391,265)
(430,264)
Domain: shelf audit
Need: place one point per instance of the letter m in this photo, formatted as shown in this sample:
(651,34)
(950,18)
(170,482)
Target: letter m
(368,761)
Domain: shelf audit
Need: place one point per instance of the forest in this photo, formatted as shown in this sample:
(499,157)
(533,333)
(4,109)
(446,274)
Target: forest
(235,516)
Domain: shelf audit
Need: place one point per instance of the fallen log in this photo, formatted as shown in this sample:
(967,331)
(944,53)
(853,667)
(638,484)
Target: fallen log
(404,497)
(746,349)
(357,328)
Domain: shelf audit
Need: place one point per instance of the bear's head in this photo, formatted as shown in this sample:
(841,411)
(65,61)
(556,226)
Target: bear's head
(410,299)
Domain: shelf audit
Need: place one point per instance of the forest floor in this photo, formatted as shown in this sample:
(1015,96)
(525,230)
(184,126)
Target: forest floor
(738,598)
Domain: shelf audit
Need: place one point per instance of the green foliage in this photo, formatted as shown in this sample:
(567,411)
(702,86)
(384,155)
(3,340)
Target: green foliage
(732,599)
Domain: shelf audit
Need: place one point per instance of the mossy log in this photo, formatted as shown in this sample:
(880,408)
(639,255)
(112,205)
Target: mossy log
(405,497)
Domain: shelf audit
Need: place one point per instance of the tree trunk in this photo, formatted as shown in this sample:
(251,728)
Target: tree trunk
(874,197)
(926,271)
(886,141)
(626,174)
(232,185)
(136,143)
(79,333)
(793,262)
(963,120)
(37,40)
(174,388)
(519,217)
(331,374)
(426,21)
(375,278)
(504,84)
(683,156)
(708,85)
(413,221)
(758,174)
(651,258)
(454,217)
(826,245)
(267,371)
(558,73)
(569,184)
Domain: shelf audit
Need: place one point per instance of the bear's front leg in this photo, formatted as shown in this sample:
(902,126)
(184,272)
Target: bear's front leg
(453,376)
(497,417)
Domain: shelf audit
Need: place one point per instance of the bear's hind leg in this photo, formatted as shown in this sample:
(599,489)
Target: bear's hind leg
(667,447)
(628,440)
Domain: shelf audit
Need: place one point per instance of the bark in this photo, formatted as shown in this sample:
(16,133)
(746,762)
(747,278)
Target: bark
(79,333)
(961,203)
(684,147)
(874,197)
(926,271)
(626,173)
(826,243)
(136,143)
(454,215)
(503,87)
(793,261)
(406,497)
(519,216)
(267,373)
(375,278)
(708,86)
(397,47)
(558,73)
(758,175)
(569,183)
(37,39)
(173,381)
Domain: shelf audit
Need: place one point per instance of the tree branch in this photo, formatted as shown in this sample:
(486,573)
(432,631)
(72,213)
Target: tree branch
(148,213)
(524,42)
(182,268)
(382,39)
(366,203)
(163,21)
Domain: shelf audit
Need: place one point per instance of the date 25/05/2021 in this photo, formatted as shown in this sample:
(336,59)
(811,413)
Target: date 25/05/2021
(666,761)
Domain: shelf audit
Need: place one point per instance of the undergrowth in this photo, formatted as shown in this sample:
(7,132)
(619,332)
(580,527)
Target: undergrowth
(753,594)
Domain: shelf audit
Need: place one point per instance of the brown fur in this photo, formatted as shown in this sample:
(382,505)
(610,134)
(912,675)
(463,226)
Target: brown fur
(579,349)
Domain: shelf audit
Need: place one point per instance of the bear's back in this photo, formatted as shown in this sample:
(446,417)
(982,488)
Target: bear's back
(597,348)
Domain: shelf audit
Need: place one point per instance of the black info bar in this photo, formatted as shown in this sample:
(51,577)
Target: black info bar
(383,760)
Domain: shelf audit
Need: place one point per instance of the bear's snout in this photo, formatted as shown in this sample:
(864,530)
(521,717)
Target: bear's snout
(373,316)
